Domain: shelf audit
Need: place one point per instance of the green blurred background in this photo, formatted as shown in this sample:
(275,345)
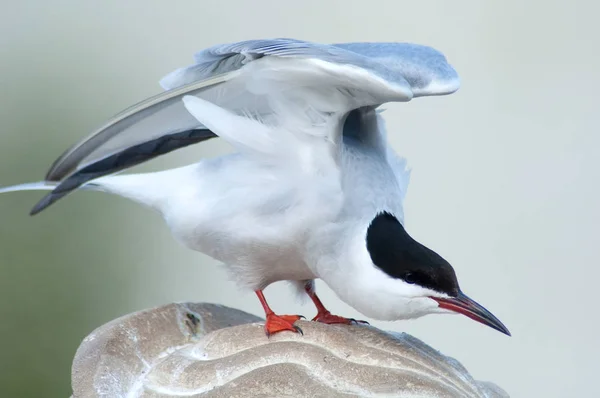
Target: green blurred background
(505,179)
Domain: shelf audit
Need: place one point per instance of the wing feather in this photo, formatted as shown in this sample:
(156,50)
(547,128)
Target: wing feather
(275,81)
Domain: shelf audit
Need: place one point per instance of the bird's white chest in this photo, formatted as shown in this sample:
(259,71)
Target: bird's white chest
(258,230)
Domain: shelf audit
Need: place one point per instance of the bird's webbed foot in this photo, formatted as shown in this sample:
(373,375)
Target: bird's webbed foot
(279,323)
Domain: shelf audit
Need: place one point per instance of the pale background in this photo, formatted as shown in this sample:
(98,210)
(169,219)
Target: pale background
(504,185)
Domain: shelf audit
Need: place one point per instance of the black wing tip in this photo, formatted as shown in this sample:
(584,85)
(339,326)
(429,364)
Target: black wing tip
(44,203)
(124,159)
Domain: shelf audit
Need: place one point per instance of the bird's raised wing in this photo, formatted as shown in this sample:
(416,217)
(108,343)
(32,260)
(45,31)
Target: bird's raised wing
(275,81)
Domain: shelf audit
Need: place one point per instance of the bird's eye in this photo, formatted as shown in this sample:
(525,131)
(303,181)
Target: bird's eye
(418,278)
(410,277)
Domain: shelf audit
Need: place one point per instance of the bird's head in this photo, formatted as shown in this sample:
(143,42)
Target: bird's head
(404,279)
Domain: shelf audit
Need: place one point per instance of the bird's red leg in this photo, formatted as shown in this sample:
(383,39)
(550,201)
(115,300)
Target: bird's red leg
(277,323)
(323,314)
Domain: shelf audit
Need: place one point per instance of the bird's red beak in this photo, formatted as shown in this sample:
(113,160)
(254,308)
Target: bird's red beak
(464,305)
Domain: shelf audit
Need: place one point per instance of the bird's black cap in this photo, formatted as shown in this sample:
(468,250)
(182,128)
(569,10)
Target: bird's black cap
(397,254)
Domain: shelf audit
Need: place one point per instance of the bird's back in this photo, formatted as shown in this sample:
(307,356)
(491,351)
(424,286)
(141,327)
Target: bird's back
(374,177)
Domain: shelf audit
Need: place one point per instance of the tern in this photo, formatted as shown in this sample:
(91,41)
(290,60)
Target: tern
(312,189)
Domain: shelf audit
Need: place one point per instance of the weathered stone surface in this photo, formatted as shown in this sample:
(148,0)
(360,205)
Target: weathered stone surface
(206,350)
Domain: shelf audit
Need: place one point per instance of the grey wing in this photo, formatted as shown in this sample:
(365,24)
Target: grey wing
(210,78)
(425,68)
(221,75)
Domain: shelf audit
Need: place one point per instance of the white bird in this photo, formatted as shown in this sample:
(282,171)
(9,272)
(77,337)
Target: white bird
(313,189)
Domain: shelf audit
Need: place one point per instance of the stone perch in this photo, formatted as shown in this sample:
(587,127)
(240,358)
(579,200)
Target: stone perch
(207,350)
